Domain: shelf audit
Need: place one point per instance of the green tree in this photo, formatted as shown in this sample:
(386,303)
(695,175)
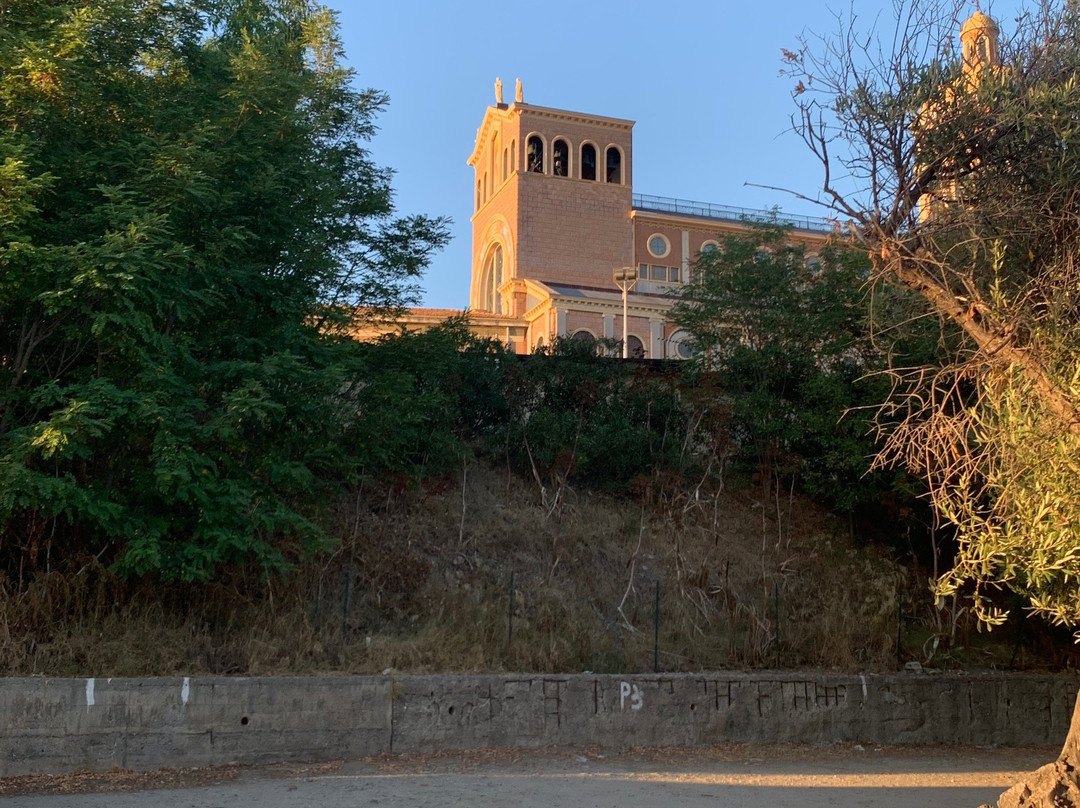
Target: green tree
(427,397)
(996,429)
(186,206)
(787,336)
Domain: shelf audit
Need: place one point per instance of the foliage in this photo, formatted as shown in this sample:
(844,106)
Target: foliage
(424,396)
(576,412)
(788,334)
(184,188)
(967,196)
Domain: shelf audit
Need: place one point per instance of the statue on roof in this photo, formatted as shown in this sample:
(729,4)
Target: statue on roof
(498,91)
(519,96)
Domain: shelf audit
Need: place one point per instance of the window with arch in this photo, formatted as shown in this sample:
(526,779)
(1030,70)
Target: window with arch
(534,155)
(710,248)
(506,164)
(583,336)
(614,165)
(635,348)
(513,156)
(478,194)
(493,279)
(588,161)
(560,158)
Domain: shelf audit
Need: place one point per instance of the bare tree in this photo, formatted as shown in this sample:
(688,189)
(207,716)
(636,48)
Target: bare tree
(958,169)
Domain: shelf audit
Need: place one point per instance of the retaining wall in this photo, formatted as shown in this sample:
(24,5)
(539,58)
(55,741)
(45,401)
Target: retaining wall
(60,725)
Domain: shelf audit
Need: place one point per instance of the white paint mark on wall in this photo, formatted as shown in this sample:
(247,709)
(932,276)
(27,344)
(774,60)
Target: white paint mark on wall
(863,680)
(185,690)
(632,692)
(89,694)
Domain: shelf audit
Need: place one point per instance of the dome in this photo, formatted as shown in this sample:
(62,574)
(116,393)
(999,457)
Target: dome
(978,22)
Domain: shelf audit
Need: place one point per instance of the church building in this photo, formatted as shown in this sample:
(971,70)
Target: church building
(557,232)
(559,237)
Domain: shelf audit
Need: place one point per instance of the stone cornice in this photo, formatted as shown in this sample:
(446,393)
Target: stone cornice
(574,117)
(634,307)
(516,110)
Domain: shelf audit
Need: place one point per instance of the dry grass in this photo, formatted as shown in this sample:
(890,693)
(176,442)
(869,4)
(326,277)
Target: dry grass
(421,582)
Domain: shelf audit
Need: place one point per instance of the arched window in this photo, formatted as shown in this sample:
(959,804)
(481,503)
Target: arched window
(478,194)
(583,336)
(506,164)
(534,155)
(513,156)
(614,165)
(560,158)
(492,280)
(588,162)
(635,349)
(487,186)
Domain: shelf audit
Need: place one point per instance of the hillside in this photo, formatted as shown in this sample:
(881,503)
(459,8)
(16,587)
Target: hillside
(423,579)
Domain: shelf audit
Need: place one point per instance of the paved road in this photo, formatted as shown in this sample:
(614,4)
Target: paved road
(742,777)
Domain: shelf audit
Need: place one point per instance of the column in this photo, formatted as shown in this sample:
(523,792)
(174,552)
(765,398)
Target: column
(656,339)
(684,270)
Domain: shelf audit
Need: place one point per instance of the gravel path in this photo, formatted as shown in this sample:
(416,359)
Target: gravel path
(730,775)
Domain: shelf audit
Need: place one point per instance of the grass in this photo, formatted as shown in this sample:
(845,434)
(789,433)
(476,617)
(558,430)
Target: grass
(442,578)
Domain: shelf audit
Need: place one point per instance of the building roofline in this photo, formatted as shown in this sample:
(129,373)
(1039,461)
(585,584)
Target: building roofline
(578,117)
(659,207)
(519,107)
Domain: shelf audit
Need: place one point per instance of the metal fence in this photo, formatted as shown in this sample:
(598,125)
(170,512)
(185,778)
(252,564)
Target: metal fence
(727,213)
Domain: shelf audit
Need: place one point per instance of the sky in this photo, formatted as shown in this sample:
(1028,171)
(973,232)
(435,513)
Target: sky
(700,79)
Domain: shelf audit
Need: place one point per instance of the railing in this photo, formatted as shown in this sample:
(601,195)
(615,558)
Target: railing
(704,210)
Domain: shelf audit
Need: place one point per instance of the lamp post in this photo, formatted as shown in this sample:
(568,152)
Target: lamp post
(625,278)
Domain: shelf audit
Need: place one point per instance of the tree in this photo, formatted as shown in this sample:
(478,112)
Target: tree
(787,335)
(960,181)
(185,205)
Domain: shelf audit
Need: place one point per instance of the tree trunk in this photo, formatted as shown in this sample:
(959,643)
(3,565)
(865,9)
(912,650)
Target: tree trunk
(1056,785)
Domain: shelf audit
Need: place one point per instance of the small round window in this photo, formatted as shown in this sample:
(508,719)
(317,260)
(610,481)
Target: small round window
(659,246)
(680,341)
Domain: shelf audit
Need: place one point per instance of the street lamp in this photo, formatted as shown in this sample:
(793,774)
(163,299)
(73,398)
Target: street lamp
(625,278)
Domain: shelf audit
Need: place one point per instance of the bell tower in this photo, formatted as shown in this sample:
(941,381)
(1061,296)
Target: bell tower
(979,43)
(552,202)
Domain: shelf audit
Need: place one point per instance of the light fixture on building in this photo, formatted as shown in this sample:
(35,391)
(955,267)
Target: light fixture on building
(625,278)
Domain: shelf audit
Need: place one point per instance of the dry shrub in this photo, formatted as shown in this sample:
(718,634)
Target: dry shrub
(421,581)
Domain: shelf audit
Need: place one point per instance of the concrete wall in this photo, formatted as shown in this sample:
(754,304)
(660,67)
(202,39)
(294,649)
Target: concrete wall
(59,725)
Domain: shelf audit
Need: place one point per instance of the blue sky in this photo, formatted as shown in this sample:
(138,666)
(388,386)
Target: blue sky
(701,80)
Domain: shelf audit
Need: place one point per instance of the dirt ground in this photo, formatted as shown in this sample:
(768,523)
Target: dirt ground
(842,776)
